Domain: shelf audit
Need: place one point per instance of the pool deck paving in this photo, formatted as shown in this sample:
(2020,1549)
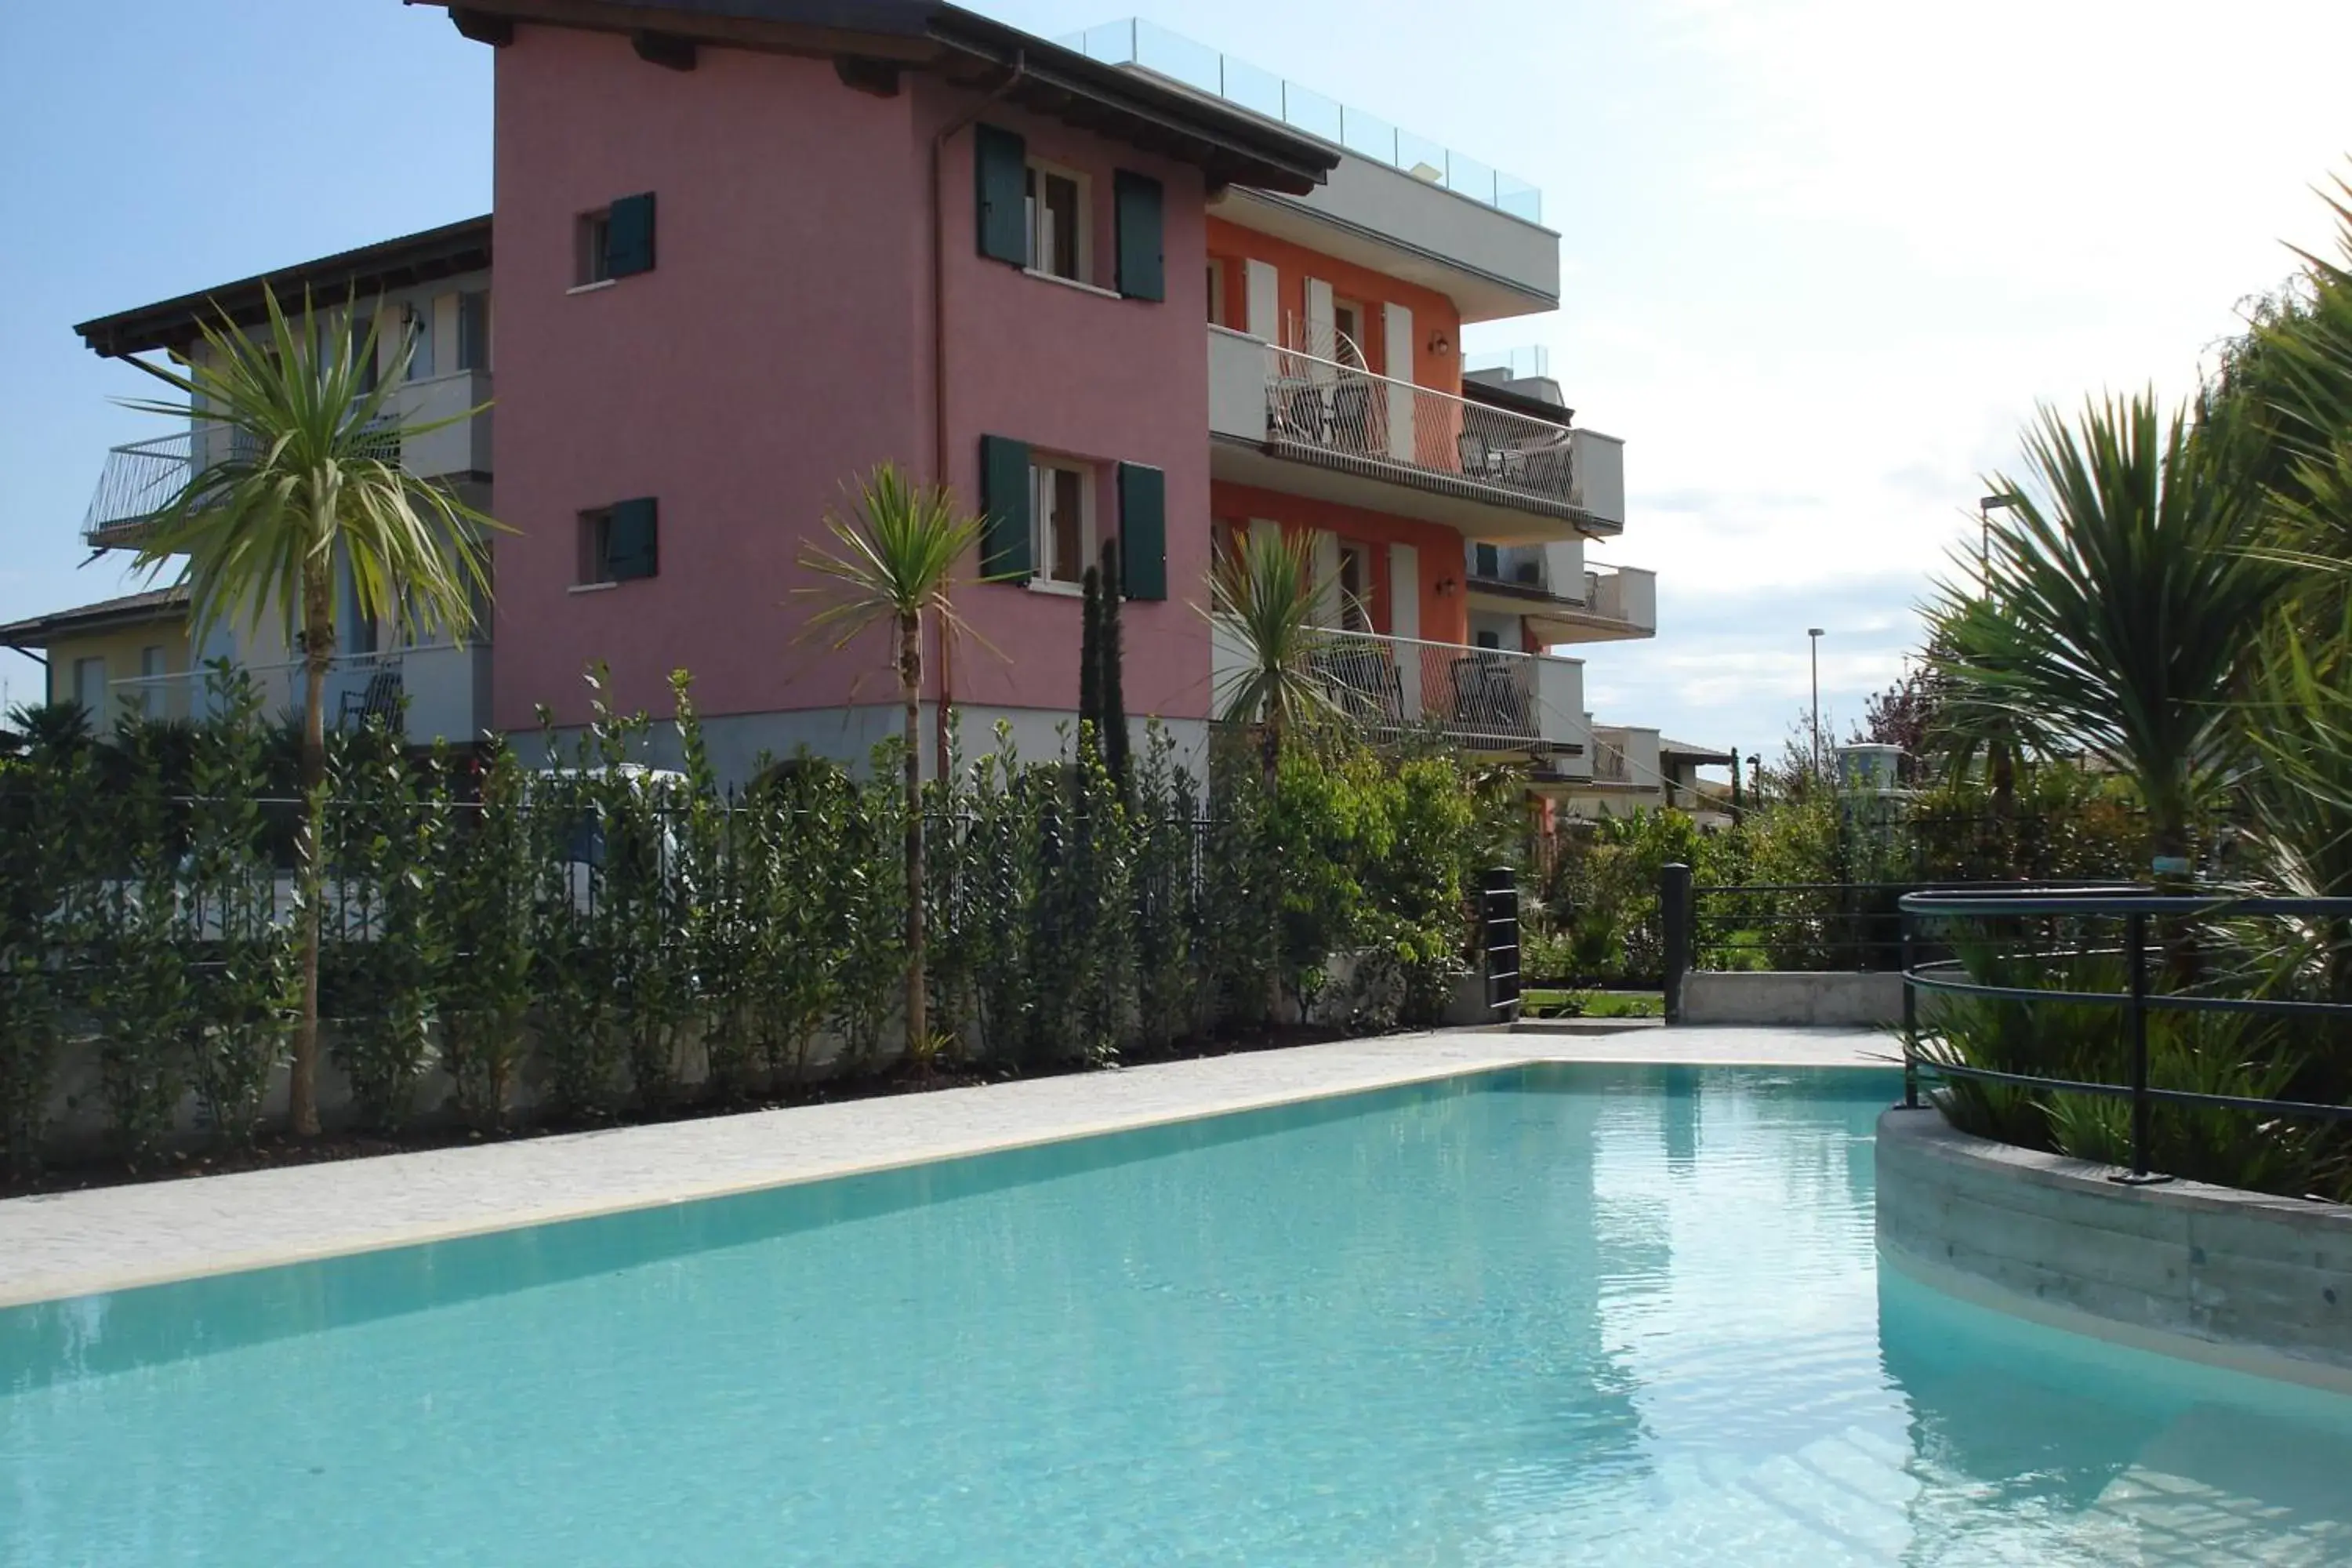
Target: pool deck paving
(114,1238)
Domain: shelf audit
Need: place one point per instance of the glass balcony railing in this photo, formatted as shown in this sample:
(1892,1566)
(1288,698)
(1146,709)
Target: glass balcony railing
(1135,42)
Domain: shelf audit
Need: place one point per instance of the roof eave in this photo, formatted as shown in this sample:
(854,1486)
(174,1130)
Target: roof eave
(420,257)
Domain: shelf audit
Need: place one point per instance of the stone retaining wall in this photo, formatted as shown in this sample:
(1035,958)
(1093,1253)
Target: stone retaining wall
(2246,1281)
(1792,1000)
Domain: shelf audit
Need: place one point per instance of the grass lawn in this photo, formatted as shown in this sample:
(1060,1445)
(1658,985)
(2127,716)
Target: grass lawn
(1541,1002)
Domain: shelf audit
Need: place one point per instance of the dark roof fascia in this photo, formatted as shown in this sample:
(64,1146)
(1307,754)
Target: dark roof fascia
(136,609)
(1518,403)
(1233,146)
(444,252)
(1682,753)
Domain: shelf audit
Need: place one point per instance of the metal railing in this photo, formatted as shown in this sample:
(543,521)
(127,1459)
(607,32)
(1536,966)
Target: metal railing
(1398,683)
(1609,763)
(360,687)
(1328,411)
(142,478)
(2141,996)
(139,480)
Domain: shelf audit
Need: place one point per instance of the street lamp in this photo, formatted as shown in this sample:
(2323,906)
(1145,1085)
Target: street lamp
(1815,634)
(2006,500)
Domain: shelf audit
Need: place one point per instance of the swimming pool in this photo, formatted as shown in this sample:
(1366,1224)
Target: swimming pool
(1548,1315)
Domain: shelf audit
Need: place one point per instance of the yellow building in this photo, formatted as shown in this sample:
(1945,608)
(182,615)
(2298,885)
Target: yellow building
(121,654)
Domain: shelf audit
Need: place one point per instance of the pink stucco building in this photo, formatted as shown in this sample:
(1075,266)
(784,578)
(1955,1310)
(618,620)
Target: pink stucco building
(1114,288)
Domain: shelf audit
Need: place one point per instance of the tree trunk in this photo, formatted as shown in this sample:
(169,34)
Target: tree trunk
(318,641)
(910,685)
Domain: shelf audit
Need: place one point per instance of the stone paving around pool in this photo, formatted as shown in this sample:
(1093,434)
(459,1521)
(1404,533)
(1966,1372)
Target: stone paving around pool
(112,1238)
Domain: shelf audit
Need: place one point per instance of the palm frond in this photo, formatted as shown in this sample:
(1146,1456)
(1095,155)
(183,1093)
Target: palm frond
(897,549)
(1267,597)
(2123,590)
(312,477)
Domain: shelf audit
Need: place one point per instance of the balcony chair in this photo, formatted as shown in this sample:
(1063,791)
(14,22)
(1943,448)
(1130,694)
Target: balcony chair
(1351,415)
(379,700)
(1364,683)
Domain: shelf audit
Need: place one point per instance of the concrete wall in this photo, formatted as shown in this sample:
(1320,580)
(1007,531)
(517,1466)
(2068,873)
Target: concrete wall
(2258,1283)
(1793,1000)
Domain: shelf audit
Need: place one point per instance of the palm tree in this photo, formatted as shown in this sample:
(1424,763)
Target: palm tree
(1265,597)
(895,564)
(2125,594)
(311,483)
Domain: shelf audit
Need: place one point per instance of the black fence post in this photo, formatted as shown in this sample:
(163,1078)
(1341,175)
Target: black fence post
(1674,914)
(2136,1020)
(1910,1017)
(1499,913)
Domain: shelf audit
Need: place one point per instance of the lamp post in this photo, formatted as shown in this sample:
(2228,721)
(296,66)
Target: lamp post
(1815,634)
(2005,501)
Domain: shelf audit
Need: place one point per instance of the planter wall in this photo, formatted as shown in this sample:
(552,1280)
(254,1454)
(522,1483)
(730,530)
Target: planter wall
(2246,1281)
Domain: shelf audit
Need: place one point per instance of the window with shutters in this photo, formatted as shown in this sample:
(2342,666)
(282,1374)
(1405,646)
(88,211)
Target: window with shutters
(1061,512)
(1060,241)
(614,242)
(619,543)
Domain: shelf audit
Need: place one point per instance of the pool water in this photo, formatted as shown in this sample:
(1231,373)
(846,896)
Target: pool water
(1549,1316)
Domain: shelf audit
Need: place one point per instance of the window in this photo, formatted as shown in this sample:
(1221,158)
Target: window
(474,330)
(89,685)
(621,543)
(151,680)
(1061,503)
(1057,228)
(614,242)
(1355,588)
(417,322)
(593,244)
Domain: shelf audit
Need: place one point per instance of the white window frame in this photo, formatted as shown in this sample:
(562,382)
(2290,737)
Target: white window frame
(1041,537)
(1040,169)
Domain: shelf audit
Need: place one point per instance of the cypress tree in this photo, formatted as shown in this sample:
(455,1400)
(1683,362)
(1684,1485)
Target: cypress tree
(1091,700)
(1112,680)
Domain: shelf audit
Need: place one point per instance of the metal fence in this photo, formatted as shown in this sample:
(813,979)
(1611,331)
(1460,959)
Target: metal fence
(1928,917)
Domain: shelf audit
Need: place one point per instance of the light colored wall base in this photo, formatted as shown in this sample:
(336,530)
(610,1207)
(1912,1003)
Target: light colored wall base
(2242,1281)
(1793,1000)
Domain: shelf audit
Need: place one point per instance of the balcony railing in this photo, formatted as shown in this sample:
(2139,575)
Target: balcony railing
(1332,412)
(139,480)
(433,685)
(1492,698)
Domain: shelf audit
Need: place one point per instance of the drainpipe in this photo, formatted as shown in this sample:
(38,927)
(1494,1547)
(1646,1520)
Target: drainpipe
(939,349)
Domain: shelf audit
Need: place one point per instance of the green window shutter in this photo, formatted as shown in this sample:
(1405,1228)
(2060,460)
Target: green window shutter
(1005,493)
(635,547)
(629,236)
(1142,531)
(1000,163)
(1142,267)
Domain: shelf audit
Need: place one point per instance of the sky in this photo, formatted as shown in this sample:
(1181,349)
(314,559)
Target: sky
(1821,259)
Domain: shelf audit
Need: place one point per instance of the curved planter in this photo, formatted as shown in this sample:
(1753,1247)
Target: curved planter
(2244,1281)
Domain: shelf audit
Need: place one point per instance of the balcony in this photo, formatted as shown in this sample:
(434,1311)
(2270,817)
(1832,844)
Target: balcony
(1551,585)
(1483,699)
(141,476)
(1414,451)
(442,689)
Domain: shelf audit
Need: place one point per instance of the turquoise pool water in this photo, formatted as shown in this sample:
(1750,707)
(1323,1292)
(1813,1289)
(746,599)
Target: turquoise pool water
(1607,1316)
